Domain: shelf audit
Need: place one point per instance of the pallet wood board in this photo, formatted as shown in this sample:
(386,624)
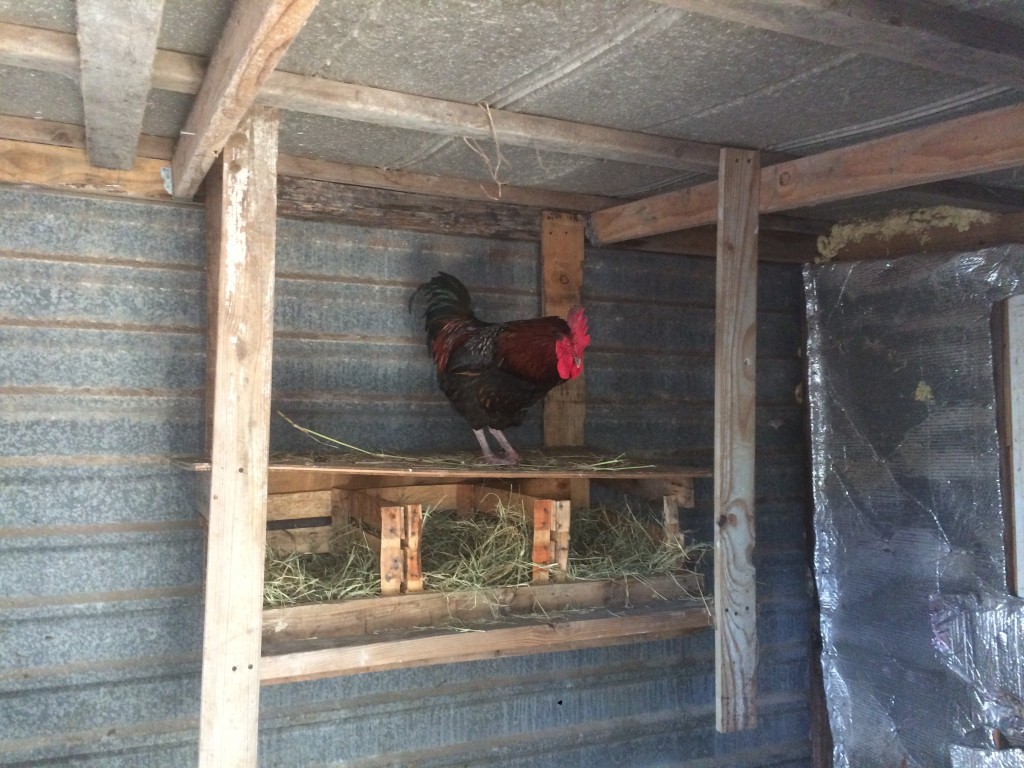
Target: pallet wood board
(515,636)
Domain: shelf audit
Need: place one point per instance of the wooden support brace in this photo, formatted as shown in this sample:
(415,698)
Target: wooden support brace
(392,556)
(670,519)
(411,548)
(735,353)
(560,540)
(244,215)
(543,512)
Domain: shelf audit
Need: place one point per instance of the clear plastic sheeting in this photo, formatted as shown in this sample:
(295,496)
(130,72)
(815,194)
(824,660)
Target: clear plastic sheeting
(982,641)
(906,486)
(971,757)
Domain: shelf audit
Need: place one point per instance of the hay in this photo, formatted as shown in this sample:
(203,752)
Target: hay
(350,569)
(480,552)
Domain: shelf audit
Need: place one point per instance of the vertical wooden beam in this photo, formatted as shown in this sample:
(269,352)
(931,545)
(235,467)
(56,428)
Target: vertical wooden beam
(241,434)
(411,548)
(392,558)
(1010,366)
(560,539)
(735,350)
(543,512)
(561,252)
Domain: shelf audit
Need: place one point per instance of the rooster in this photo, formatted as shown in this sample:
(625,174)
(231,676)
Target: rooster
(493,372)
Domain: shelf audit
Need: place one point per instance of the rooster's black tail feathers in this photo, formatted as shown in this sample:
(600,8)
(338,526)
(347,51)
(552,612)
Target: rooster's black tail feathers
(446,299)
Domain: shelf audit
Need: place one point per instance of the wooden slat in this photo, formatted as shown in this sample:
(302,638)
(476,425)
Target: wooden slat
(670,519)
(241,433)
(560,529)
(256,36)
(117,43)
(411,547)
(735,354)
(353,618)
(69,170)
(364,207)
(545,637)
(924,34)
(543,514)
(981,143)
(1009,329)
(392,558)
(295,506)
(303,540)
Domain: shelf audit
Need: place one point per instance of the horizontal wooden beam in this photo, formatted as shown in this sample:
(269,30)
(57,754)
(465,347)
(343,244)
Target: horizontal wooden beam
(981,143)
(50,154)
(22,46)
(924,34)
(546,636)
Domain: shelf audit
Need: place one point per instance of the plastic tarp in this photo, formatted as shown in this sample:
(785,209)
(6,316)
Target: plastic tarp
(909,524)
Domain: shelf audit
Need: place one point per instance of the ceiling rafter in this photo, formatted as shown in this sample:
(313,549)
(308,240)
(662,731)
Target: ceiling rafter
(981,143)
(255,38)
(182,73)
(117,43)
(913,32)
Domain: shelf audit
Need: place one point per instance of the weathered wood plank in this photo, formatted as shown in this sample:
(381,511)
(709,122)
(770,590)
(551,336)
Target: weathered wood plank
(116,43)
(543,514)
(924,34)
(302,540)
(981,143)
(544,637)
(413,519)
(296,506)
(392,558)
(241,434)
(69,170)
(1009,331)
(560,539)
(561,251)
(365,207)
(256,36)
(353,618)
(735,401)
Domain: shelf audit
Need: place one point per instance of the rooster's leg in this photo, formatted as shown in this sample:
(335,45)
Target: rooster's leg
(489,456)
(510,453)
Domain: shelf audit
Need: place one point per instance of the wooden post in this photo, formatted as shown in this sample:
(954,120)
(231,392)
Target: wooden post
(543,512)
(392,558)
(562,247)
(1010,365)
(561,251)
(735,351)
(413,564)
(560,539)
(245,216)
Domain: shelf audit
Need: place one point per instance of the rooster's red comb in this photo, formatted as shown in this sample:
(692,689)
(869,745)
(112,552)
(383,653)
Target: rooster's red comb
(578,325)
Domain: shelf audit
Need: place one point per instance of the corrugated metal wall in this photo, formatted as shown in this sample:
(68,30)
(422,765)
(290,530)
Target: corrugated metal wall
(101,377)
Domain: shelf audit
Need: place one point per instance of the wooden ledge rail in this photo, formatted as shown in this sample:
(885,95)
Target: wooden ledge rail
(544,637)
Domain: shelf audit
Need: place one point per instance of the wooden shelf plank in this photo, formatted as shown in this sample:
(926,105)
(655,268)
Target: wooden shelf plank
(533,636)
(352,618)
